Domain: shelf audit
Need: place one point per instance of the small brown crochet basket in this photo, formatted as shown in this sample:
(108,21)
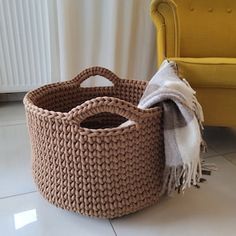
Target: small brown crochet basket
(82,159)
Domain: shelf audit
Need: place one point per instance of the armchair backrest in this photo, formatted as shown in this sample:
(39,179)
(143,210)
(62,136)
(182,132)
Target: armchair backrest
(195,28)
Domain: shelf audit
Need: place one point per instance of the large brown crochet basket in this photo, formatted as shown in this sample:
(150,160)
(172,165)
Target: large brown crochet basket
(83,160)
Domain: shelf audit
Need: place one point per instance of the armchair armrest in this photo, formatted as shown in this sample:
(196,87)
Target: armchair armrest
(164,16)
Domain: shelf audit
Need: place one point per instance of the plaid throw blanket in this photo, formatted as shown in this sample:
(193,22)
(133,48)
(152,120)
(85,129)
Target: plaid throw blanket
(183,118)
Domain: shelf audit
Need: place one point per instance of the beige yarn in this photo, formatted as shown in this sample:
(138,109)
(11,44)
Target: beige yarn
(82,161)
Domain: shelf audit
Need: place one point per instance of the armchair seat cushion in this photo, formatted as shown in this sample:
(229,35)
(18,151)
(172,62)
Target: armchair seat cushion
(212,72)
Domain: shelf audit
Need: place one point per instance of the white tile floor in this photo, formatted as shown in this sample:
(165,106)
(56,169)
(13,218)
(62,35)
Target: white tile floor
(208,211)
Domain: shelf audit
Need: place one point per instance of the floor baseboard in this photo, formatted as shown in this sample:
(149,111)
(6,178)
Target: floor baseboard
(12,97)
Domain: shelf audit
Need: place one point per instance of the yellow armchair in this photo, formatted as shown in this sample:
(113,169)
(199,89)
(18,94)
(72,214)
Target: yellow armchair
(200,35)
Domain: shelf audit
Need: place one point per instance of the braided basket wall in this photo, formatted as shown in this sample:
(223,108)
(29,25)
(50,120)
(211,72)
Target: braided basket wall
(81,159)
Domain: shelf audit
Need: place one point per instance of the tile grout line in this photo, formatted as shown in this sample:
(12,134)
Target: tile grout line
(226,153)
(13,124)
(17,195)
(229,162)
(213,155)
(112,228)
(213,149)
(220,154)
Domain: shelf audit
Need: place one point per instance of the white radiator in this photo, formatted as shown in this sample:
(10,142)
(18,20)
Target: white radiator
(44,41)
(28,44)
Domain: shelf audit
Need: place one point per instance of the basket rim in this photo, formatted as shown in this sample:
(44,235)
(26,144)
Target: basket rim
(30,106)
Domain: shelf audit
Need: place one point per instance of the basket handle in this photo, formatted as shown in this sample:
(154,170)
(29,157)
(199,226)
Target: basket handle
(107,104)
(96,70)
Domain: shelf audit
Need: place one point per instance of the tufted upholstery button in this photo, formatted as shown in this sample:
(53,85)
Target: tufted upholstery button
(210,9)
(191,9)
(229,10)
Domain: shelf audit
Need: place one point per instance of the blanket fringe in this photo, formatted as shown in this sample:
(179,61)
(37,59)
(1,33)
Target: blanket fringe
(185,176)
